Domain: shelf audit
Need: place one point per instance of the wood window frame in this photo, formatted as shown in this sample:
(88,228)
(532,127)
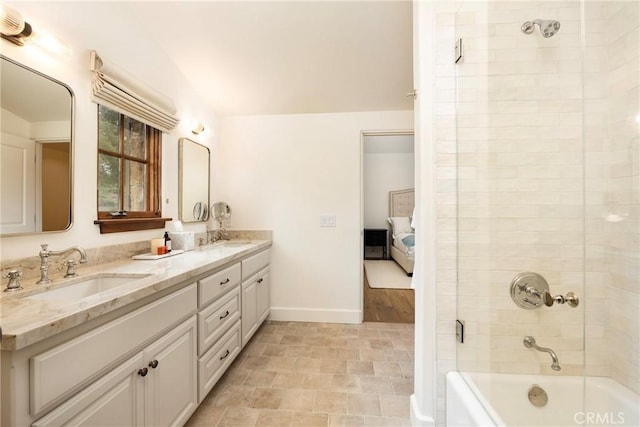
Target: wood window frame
(151,218)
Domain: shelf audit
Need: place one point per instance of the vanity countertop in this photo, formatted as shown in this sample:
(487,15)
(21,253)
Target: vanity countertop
(26,321)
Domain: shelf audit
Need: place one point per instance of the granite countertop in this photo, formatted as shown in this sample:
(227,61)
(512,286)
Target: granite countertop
(26,321)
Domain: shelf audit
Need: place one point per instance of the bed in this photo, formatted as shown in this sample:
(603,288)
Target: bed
(402,234)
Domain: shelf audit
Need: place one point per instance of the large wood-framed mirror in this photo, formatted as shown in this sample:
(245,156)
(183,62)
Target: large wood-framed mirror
(36,151)
(194,160)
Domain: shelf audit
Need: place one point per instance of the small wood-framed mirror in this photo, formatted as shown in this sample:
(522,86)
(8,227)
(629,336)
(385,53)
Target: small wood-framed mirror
(193,181)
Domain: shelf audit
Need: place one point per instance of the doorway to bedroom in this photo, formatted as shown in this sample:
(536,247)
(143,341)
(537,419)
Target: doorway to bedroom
(387,206)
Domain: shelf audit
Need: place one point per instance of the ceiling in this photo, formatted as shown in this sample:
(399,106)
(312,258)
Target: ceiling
(288,57)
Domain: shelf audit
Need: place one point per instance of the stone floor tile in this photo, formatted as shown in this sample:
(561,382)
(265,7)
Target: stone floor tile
(331,402)
(377,384)
(403,386)
(206,415)
(239,417)
(288,380)
(274,350)
(373,355)
(259,379)
(360,367)
(234,396)
(382,421)
(298,400)
(308,419)
(274,418)
(394,406)
(336,420)
(267,398)
(387,369)
(363,404)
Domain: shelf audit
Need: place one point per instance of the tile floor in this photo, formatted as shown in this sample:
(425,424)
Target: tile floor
(316,374)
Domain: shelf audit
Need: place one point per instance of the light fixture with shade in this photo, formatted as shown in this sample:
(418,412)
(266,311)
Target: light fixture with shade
(16,30)
(197,127)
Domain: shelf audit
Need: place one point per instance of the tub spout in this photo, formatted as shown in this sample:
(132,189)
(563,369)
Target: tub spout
(530,342)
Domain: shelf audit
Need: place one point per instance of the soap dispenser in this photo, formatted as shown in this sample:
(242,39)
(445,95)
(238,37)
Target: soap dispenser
(167,241)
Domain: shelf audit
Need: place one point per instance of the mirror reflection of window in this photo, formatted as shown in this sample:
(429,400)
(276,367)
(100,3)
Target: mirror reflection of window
(36,133)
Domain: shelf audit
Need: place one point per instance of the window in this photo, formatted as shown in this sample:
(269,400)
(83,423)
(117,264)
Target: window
(128,173)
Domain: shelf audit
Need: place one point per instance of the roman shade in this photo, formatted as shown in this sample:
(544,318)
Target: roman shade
(113,87)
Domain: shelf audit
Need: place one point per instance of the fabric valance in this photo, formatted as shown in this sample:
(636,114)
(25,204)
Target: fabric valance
(115,88)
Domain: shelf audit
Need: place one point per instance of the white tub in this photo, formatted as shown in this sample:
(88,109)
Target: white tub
(475,399)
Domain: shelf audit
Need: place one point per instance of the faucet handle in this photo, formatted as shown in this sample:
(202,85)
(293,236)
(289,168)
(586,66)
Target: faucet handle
(14,281)
(71,268)
(571,299)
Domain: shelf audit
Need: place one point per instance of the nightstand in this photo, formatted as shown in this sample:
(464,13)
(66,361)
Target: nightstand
(376,237)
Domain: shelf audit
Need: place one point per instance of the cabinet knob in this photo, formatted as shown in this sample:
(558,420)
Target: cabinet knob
(225,315)
(153,364)
(226,354)
(143,372)
(260,280)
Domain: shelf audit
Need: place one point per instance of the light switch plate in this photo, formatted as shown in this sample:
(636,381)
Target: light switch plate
(327,220)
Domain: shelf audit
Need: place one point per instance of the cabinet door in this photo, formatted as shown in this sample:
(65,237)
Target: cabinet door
(264,298)
(117,399)
(171,381)
(249,310)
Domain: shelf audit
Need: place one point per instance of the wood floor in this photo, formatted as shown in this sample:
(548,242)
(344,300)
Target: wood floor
(388,305)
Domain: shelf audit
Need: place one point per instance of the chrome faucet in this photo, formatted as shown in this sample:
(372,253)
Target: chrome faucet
(530,342)
(45,253)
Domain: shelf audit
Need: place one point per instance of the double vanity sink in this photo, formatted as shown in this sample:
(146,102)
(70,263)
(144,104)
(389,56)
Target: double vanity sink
(119,343)
(40,311)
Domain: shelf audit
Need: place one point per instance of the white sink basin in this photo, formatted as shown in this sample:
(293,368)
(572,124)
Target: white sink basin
(88,286)
(232,243)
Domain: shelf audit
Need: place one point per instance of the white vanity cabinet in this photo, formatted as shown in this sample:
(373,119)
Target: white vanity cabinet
(147,363)
(156,387)
(256,304)
(96,377)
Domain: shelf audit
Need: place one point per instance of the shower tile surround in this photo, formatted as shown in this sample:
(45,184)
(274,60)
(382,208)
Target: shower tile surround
(518,170)
(30,267)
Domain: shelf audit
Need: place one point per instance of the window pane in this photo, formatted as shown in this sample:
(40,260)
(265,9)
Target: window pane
(134,186)
(108,129)
(108,183)
(134,138)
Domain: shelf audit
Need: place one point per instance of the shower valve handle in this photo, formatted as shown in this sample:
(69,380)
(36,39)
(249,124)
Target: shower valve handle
(571,299)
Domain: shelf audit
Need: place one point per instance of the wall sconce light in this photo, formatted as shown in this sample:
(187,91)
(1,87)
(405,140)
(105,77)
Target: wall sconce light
(197,127)
(15,29)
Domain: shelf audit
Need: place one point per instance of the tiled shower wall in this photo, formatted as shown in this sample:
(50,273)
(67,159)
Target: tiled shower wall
(520,183)
(530,128)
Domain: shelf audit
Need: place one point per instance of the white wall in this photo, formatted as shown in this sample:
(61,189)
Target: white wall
(86,26)
(388,170)
(282,173)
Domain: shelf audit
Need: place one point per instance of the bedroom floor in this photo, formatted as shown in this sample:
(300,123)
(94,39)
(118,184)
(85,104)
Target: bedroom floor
(388,305)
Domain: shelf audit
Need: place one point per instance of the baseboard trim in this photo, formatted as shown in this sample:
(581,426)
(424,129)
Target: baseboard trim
(417,418)
(315,315)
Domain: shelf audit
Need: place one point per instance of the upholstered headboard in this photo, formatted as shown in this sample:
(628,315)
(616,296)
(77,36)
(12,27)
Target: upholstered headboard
(401,202)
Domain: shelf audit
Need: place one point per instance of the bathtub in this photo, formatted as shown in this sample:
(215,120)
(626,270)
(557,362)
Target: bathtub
(479,399)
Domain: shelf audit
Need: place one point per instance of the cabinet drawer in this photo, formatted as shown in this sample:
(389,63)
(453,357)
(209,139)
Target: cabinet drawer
(214,363)
(216,319)
(218,284)
(255,263)
(62,368)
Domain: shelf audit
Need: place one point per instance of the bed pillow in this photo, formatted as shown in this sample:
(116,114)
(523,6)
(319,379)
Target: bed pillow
(400,224)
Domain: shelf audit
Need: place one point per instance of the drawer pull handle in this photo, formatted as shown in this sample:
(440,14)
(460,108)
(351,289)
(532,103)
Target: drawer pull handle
(153,364)
(224,282)
(226,354)
(143,372)
(260,280)
(225,315)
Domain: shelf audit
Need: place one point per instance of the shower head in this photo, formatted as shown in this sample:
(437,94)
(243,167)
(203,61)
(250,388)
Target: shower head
(548,27)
